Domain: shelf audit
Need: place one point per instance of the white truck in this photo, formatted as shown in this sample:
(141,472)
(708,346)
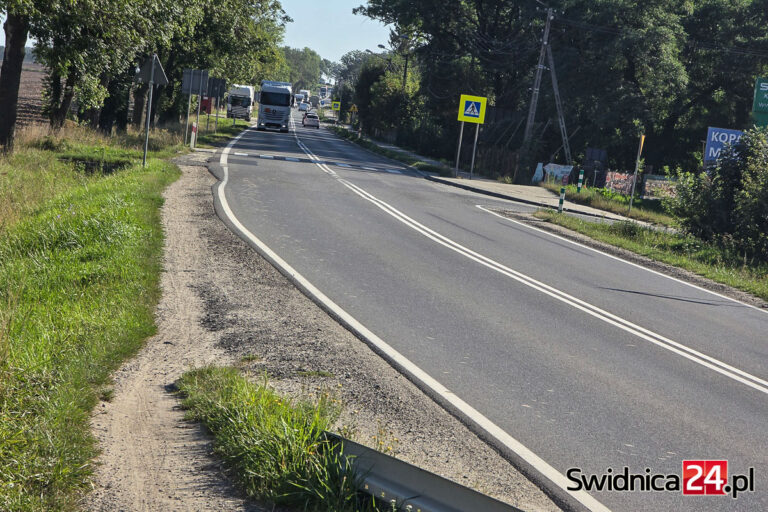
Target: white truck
(240,102)
(299,98)
(274,105)
(305,93)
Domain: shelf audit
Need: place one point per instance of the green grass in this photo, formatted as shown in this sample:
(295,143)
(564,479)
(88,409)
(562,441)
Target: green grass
(394,155)
(676,249)
(276,448)
(45,166)
(225,132)
(646,210)
(80,258)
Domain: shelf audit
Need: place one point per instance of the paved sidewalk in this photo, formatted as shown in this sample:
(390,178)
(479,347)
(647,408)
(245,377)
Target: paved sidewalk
(529,194)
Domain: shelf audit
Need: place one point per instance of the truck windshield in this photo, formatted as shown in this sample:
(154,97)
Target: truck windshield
(275,98)
(239,101)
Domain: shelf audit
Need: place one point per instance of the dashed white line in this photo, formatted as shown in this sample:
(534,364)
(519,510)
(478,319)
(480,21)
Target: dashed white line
(240,154)
(268,157)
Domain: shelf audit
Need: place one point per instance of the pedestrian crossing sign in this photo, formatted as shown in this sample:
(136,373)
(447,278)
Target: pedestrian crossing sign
(472,109)
(336,105)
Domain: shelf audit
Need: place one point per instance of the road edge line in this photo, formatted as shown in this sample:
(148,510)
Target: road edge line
(537,470)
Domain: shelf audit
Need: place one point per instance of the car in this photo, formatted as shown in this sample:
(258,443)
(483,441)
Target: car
(311,119)
(303,107)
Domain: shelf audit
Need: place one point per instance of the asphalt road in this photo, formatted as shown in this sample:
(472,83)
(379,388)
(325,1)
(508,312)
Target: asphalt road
(587,360)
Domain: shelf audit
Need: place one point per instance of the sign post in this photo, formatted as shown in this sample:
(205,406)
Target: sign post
(634,179)
(581,181)
(151,73)
(471,110)
(458,150)
(336,107)
(192,83)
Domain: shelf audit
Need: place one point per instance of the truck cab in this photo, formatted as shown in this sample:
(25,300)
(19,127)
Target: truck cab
(240,102)
(274,105)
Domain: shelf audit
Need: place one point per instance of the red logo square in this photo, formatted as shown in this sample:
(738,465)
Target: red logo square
(705,477)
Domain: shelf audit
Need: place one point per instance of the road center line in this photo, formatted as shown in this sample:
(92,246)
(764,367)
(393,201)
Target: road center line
(545,232)
(601,314)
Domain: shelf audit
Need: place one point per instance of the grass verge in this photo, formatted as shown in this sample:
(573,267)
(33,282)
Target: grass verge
(646,210)
(225,132)
(683,251)
(394,155)
(80,258)
(276,448)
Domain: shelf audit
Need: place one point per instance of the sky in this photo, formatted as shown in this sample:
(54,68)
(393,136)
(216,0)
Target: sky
(326,26)
(330,28)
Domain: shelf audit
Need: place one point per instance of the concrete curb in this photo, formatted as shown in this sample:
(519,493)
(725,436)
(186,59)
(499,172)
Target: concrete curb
(516,199)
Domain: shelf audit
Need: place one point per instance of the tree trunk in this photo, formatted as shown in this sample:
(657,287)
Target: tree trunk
(16,29)
(139,97)
(59,112)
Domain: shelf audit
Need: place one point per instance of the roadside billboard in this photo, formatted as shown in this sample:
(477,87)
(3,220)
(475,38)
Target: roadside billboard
(717,139)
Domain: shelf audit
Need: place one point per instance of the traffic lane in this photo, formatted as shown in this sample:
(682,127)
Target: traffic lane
(396,287)
(718,327)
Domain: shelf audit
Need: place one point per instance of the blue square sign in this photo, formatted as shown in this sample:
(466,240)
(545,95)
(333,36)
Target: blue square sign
(472,108)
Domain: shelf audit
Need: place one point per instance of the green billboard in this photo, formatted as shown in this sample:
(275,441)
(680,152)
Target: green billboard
(761,95)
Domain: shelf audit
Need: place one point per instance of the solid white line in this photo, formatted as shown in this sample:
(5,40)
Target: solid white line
(413,370)
(539,230)
(641,332)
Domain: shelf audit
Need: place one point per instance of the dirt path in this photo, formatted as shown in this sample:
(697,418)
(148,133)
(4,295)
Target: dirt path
(152,459)
(222,302)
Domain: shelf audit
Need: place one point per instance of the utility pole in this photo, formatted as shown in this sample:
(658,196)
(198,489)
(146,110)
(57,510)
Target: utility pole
(559,104)
(537,84)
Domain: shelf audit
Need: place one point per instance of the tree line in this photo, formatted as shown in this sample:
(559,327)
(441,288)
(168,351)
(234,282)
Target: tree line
(664,68)
(91,48)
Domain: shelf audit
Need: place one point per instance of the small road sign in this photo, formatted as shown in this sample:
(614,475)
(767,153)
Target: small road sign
(336,105)
(146,74)
(472,109)
(353,108)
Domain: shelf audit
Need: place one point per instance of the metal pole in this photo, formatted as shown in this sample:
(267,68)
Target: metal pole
(149,110)
(189,105)
(474,148)
(634,179)
(216,121)
(199,100)
(458,151)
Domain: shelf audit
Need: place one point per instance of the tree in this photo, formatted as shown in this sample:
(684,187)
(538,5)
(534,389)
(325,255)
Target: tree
(305,67)
(16,28)
(728,204)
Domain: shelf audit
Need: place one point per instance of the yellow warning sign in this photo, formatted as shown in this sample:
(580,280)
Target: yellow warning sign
(353,108)
(472,109)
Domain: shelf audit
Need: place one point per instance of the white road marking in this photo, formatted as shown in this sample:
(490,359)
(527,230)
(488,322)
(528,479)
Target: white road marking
(393,171)
(269,157)
(291,159)
(369,168)
(409,367)
(543,231)
(343,165)
(641,332)
(241,154)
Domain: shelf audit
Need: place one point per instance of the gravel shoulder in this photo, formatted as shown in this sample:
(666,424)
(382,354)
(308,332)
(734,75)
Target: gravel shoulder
(223,304)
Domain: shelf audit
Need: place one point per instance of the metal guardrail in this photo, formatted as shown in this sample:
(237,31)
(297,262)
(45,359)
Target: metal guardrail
(411,488)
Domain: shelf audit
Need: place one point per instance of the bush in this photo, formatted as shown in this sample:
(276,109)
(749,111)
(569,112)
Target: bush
(729,204)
